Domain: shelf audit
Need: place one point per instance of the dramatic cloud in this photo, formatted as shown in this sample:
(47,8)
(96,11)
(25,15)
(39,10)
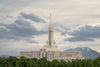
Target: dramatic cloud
(20,29)
(86,33)
(32,17)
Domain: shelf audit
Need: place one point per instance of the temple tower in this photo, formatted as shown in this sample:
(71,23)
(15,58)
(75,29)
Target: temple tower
(50,43)
(50,40)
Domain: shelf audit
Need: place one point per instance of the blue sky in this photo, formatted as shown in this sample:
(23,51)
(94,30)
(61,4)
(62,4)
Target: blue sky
(24,24)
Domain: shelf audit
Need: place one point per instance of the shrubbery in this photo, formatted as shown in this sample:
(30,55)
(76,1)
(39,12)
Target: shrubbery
(43,62)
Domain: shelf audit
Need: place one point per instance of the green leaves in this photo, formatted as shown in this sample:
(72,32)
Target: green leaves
(43,62)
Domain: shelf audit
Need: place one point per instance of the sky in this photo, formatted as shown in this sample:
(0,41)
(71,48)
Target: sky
(24,24)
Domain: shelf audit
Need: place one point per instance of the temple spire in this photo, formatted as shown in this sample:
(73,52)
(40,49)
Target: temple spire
(50,19)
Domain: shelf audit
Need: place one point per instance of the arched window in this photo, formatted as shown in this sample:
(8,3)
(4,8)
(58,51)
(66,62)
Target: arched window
(42,54)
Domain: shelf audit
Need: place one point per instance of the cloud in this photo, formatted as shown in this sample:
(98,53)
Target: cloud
(86,33)
(32,17)
(19,30)
(9,16)
(16,2)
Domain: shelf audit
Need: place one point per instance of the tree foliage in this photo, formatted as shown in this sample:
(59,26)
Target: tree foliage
(43,62)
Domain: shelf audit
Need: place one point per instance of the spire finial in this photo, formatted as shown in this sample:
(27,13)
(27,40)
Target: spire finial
(50,19)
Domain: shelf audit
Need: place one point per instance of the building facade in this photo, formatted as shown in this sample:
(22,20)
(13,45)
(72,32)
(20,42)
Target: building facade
(51,55)
(51,51)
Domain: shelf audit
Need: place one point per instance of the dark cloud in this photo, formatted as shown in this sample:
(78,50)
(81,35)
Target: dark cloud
(20,29)
(32,17)
(61,28)
(86,33)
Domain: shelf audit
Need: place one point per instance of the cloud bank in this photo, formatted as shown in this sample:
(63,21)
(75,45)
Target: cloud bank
(86,33)
(32,17)
(21,29)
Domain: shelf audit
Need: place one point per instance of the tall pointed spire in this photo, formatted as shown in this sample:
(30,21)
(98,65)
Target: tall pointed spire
(50,43)
(50,19)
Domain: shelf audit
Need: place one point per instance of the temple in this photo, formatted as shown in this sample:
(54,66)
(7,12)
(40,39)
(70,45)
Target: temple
(51,51)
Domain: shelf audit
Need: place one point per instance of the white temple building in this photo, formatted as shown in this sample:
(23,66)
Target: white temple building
(51,51)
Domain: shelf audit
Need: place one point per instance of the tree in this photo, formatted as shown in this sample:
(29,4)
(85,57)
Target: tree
(97,62)
(21,62)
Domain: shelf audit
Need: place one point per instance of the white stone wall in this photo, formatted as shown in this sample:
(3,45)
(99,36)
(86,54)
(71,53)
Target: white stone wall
(51,55)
